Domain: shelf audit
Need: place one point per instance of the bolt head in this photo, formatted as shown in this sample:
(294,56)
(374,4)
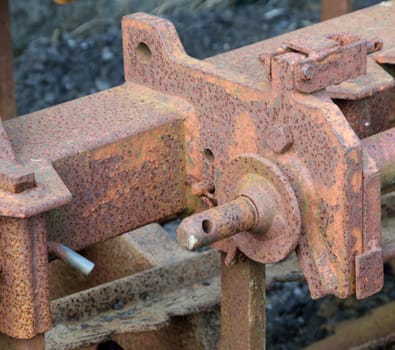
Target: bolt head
(279,138)
(15,178)
(308,72)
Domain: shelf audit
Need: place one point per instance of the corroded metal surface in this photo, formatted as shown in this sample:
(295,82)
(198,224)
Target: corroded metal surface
(245,117)
(15,178)
(278,229)
(133,252)
(24,292)
(381,147)
(217,223)
(243,306)
(127,170)
(48,193)
(181,135)
(325,61)
(369,269)
(259,209)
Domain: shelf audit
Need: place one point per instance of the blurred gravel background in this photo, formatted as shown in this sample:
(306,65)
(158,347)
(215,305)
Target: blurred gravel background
(68,64)
(64,52)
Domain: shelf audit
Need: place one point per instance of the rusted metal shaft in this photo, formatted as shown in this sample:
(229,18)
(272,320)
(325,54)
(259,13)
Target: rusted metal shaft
(381,147)
(71,257)
(212,225)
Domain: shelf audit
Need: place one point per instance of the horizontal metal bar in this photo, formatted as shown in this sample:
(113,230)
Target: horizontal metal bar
(120,153)
(71,257)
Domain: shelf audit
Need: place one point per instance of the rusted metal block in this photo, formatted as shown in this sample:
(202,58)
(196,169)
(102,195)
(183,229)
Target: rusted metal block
(138,251)
(374,81)
(15,178)
(24,292)
(368,101)
(48,193)
(127,170)
(324,61)
(369,275)
(369,266)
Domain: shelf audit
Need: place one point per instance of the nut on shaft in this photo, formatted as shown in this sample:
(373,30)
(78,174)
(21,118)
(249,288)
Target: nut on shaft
(217,223)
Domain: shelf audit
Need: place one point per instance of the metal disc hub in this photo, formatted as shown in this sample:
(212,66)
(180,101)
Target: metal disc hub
(277,231)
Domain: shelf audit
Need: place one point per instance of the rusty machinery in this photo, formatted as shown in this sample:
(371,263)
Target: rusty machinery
(278,146)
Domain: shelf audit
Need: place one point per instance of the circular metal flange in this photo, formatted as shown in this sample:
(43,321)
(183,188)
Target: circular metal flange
(277,234)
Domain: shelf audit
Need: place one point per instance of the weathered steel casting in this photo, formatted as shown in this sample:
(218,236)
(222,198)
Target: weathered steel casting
(279,146)
(264,205)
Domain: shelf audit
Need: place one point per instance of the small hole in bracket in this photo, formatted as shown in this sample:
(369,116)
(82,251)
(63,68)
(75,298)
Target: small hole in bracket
(208,154)
(211,190)
(144,52)
(207,226)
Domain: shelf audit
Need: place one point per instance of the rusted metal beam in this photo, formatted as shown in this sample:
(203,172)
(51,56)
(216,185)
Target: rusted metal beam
(7,86)
(243,318)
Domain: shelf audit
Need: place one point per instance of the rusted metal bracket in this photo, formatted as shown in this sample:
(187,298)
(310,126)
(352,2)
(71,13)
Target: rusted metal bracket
(27,192)
(324,61)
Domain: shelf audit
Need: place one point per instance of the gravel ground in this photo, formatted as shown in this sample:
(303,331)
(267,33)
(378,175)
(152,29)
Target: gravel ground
(70,65)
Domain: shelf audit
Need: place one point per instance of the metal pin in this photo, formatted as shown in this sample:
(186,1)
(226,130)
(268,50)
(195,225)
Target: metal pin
(217,223)
(71,257)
